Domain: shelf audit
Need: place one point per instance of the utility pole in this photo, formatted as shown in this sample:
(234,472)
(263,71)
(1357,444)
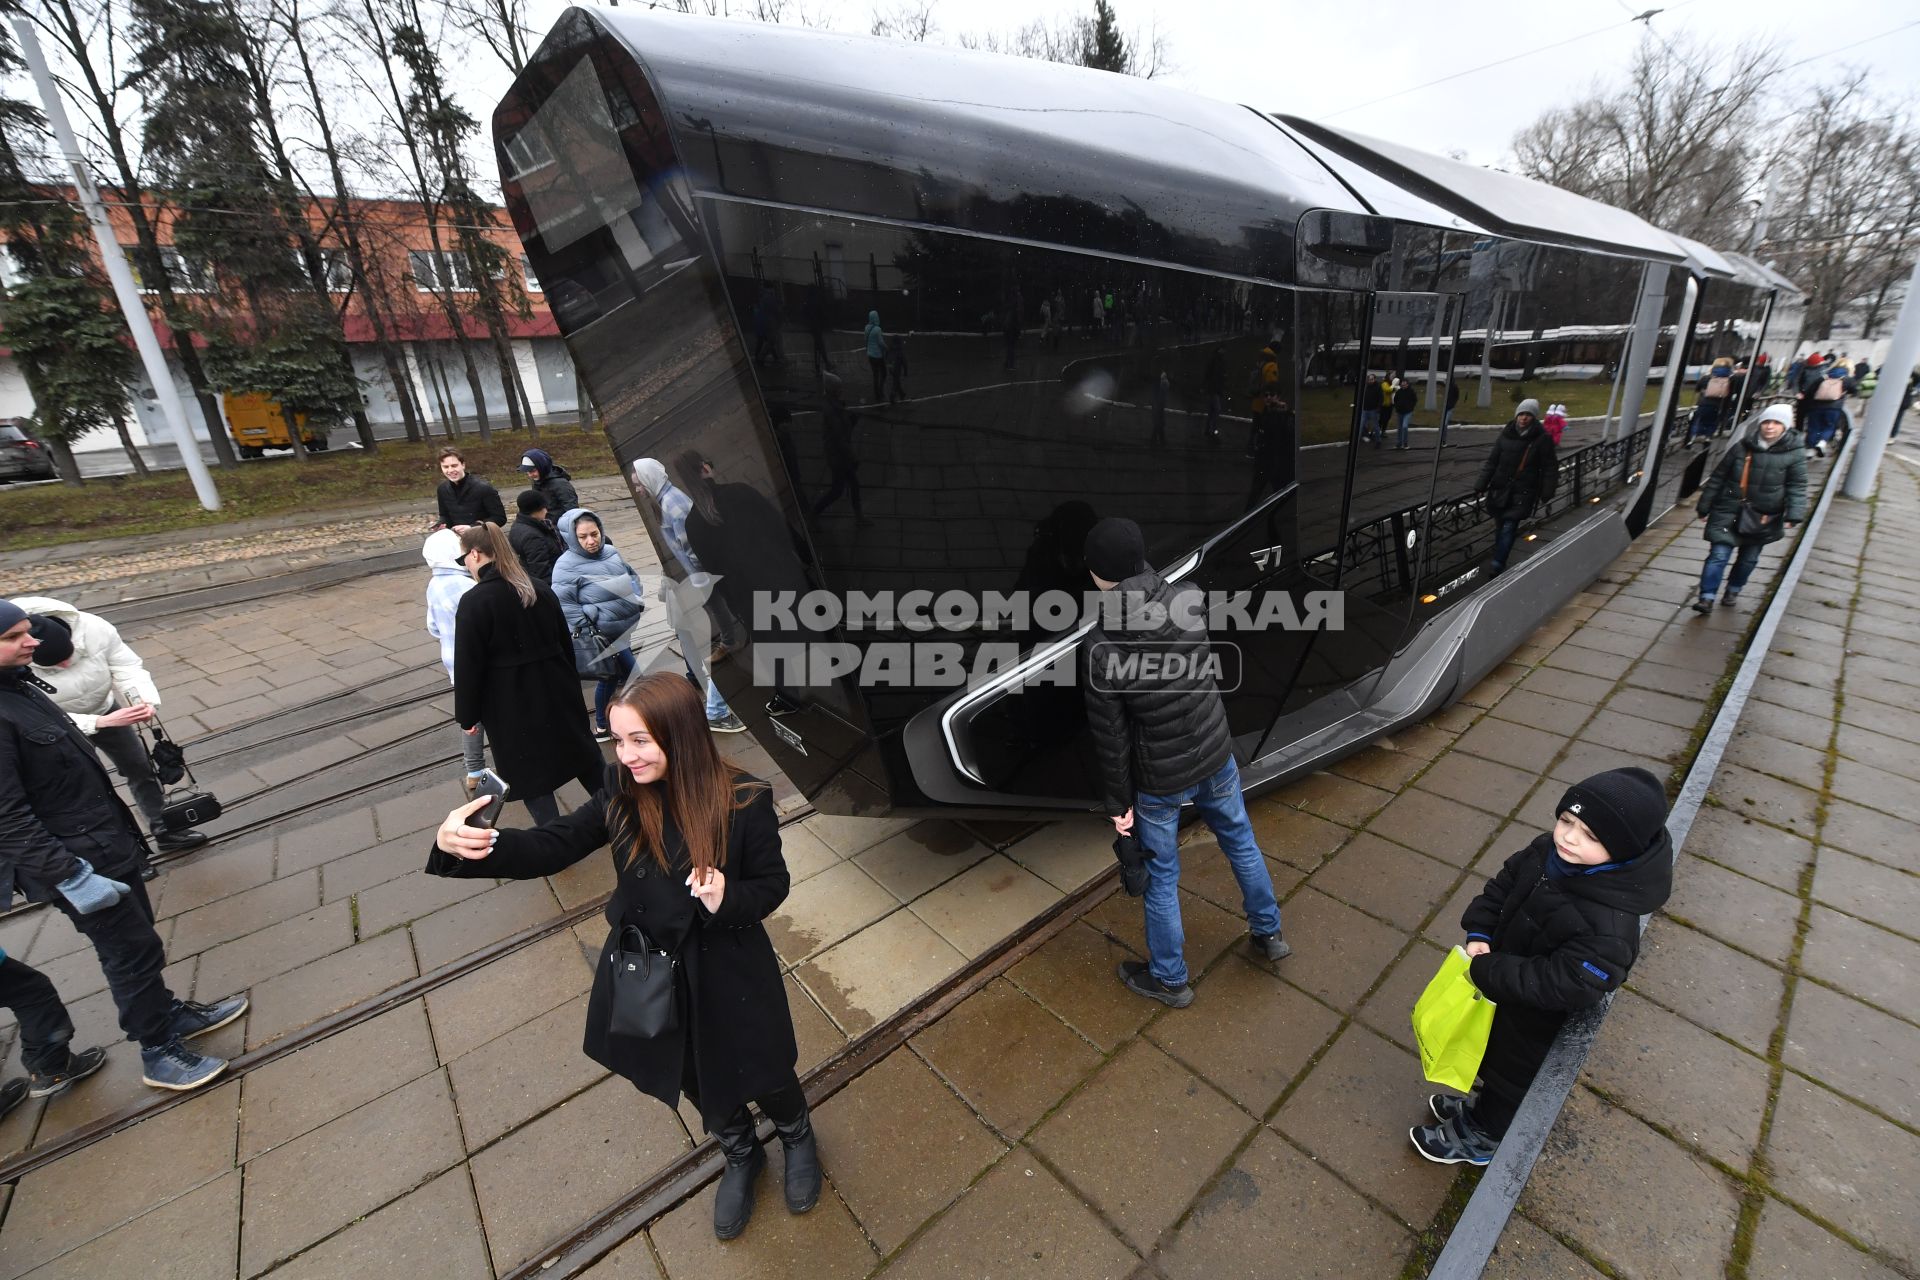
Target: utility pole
(1902,354)
(133,309)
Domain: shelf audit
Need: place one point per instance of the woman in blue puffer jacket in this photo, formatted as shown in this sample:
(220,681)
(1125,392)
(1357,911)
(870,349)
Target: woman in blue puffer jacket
(598,589)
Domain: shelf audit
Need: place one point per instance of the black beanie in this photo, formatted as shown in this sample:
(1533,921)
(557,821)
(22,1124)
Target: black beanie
(1115,549)
(530,501)
(1625,808)
(55,637)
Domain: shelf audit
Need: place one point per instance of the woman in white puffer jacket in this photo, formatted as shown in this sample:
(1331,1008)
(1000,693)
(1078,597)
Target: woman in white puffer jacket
(106,690)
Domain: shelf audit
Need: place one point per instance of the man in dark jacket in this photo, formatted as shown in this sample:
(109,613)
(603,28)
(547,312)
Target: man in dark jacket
(1405,400)
(1766,472)
(68,840)
(533,537)
(1554,932)
(554,482)
(1161,740)
(1373,400)
(1522,470)
(466,500)
(46,1037)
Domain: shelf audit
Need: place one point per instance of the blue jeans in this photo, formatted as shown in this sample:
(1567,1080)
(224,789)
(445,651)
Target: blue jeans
(1823,423)
(1157,827)
(1717,556)
(603,692)
(716,705)
(1404,418)
(1503,535)
(1369,424)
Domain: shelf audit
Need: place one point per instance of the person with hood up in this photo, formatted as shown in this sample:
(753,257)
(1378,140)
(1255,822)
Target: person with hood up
(464,499)
(877,355)
(1163,742)
(1822,398)
(106,690)
(1715,398)
(692,606)
(598,591)
(554,481)
(1521,471)
(448,582)
(1764,474)
(1553,933)
(533,537)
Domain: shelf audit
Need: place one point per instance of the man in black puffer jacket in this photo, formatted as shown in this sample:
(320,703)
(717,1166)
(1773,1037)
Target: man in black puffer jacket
(1161,739)
(1554,932)
(1521,471)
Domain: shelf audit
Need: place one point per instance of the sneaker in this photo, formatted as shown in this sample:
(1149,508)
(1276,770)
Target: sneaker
(47,1084)
(175,841)
(13,1093)
(1134,976)
(781,705)
(1446,1107)
(191,1019)
(601,733)
(1271,946)
(1730,599)
(1454,1142)
(728,723)
(1703,606)
(174,1066)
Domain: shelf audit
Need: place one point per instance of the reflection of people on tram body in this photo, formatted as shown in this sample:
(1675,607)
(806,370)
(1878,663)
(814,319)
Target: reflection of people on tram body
(1099,316)
(1213,384)
(1372,401)
(1446,414)
(1059,318)
(1716,391)
(842,460)
(896,368)
(1161,386)
(766,326)
(781,419)
(1405,400)
(1010,325)
(814,311)
(1521,470)
(1263,393)
(741,538)
(1274,437)
(1055,561)
(877,355)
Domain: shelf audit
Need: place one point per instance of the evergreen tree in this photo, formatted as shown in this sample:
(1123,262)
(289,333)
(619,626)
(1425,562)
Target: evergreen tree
(1104,48)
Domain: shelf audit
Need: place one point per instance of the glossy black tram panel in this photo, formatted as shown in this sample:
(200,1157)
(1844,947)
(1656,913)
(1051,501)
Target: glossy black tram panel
(891,337)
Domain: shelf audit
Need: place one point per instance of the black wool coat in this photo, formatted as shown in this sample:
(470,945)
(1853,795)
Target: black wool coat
(1522,470)
(1152,734)
(735,1041)
(1776,486)
(472,501)
(513,673)
(57,804)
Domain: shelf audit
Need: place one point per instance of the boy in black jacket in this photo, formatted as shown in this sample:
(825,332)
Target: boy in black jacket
(1555,931)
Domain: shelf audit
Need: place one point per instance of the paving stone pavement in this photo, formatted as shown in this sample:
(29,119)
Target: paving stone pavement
(1748,1111)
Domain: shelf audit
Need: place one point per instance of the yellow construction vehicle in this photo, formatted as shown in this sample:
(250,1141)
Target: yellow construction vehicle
(257,425)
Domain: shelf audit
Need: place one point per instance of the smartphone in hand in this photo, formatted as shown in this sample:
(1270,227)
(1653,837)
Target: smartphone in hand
(493,786)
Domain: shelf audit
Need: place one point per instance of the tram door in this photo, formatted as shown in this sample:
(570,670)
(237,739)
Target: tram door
(1409,357)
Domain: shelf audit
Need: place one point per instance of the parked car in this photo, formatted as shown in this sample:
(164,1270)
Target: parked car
(21,456)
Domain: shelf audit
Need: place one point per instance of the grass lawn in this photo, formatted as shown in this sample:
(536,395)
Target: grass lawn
(401,474)
(1327,412)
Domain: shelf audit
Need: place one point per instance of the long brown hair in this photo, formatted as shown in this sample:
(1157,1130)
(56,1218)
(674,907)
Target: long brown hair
(488,539)
(698,787)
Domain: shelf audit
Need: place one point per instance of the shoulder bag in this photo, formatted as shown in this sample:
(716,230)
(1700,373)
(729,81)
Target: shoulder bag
(1750,523)
(644,1002)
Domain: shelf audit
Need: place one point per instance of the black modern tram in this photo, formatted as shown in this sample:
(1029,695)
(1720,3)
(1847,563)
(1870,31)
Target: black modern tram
(1068,267)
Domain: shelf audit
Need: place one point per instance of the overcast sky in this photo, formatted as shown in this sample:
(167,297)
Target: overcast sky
(1370,65)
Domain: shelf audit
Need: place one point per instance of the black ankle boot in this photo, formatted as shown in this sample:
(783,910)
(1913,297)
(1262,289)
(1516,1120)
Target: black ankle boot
(733,1202)
(803,1163)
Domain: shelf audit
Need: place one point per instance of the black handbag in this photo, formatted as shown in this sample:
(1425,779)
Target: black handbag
(644,1003)
(189,806)
(1750,524)
(589,651)
(1133,865)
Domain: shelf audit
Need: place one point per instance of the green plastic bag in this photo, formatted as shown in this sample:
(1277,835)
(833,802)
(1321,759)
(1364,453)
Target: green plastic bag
(1451,1021)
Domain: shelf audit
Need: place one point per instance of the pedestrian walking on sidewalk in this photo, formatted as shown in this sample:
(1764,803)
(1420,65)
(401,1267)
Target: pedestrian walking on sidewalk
(513,672)
(1521,471)
(533,537)
(1823,415)
(465,500)
(1162,741)
(450,581)
(67,839)
(698,615)
(1756,494)
(1554,932)
(46,1037)
(696,851)
(101,683)
(601,596)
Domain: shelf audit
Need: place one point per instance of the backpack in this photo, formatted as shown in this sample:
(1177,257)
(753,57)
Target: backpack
(1830,389)
(1719,387)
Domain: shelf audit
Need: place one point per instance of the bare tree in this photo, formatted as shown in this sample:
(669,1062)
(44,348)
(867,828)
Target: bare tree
(500,25)
(910,20)
(1676,146)
(1086,40)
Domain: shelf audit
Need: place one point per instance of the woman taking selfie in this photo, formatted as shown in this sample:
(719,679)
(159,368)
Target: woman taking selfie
(687,996)
(513,674)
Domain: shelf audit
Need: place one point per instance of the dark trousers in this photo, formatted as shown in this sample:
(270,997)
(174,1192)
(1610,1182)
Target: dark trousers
(1516,1047)
(846,479)
(784,1105)
(122,745)
(132,958)
(878,366)
(1505,531)
(45,1028)
(544,808)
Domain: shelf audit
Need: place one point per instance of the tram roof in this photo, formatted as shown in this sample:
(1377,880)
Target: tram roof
(1503,203)
(1762,274)
(929,135)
